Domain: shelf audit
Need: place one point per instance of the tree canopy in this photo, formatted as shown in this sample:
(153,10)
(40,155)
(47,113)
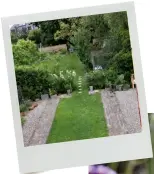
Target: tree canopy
(107,35)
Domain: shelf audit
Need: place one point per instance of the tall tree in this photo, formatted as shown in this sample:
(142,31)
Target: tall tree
(67,29)
(47,29)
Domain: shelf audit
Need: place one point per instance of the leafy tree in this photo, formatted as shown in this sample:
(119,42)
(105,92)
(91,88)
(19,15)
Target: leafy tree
(67,30)
(91,28)
(25,52)
(14,37)
(119,32)
(47,29)
(35,35)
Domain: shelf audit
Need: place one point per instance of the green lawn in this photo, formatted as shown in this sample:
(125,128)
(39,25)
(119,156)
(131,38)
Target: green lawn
(78,117)
(59,62)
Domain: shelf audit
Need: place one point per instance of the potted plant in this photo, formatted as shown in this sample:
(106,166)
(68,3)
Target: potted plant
(23,109)
(68,88)
(120,82)
(126,86)
(52,93)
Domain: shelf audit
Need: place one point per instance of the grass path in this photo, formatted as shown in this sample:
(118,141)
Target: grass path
(78,117)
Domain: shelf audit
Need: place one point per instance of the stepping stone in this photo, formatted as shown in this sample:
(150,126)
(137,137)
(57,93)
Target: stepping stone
(44,96)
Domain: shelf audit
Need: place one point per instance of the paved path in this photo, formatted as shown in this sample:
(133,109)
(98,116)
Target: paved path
(38,122)
(121,111)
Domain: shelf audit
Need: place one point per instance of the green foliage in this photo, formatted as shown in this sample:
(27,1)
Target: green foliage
(25,52)
(122,63)
(47,29)
(63,51)
(63,81)
(96,79)
(67,28)
(23,120)
(35,35)
(52,92)
(120,80)
(23,107)
(82,44)
(111,76)
(14,37)
(32,82)
(111,35)
(64,32)
(62,62)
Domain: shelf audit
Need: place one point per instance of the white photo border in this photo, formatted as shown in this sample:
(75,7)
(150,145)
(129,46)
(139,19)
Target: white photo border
(81,152)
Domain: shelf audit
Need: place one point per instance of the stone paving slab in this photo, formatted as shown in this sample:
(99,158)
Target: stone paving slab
(121,111)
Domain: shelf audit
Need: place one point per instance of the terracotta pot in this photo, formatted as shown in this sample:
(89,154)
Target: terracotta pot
(33,106)
(22,113)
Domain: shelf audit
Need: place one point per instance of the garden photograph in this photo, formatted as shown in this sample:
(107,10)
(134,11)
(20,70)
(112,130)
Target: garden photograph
(75,78)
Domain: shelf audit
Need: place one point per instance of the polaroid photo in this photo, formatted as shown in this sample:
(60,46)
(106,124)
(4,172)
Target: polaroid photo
(76,87)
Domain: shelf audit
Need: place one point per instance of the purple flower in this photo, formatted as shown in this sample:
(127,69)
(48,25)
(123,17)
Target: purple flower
(100,169)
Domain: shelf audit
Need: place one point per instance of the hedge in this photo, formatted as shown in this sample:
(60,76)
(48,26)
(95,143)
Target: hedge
(32,83)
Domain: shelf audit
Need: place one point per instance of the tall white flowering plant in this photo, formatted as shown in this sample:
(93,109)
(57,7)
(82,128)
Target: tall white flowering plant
(63,81)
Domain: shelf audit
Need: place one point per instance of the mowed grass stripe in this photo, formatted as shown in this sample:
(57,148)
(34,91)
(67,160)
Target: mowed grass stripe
(78,117)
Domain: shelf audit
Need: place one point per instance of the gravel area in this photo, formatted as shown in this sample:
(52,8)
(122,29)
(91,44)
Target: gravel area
(121,111)
(39,121)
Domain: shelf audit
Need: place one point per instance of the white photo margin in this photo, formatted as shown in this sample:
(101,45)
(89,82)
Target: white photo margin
(81,152)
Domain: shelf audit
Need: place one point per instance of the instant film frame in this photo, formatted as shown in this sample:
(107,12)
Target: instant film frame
(82,152)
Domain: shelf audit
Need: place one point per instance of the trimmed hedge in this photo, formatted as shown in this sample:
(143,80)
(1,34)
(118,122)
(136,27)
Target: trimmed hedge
(31,82)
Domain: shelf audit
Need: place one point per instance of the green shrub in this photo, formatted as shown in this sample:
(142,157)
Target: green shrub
(96,79)
(23,120)
(120,80)
(111,76)
(32,82)
(35,35)
(123,64)
(23,107)
(63,80)
(63,51)
(25,52)
(52,92)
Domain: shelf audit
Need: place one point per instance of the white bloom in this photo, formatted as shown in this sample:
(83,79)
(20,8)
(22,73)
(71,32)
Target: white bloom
(55,75)
(74,73)
(61,72)
(62,76)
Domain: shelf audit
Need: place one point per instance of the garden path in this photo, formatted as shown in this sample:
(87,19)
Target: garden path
(121,111)
(39,121)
